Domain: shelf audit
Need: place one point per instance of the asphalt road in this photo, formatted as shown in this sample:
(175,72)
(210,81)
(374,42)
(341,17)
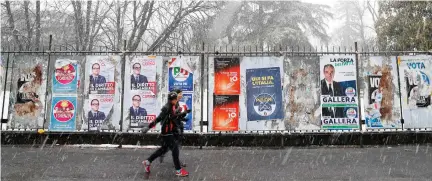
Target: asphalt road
(317,163)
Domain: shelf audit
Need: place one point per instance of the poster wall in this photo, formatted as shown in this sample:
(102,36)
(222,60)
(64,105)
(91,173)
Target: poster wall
(339,103)
(249,100)
(63,114)
(227,76)
(415,79)
(381,102)
(102,88)
(28,96)
(225,113)
(264,94)
(65,77)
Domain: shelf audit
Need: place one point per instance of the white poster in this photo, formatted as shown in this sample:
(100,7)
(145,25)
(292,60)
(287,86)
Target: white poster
(102,82)
(415,79)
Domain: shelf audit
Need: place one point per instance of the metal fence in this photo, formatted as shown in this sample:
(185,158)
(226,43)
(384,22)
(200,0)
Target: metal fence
(207,53)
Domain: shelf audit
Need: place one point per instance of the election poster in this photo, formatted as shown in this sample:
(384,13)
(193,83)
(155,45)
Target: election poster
(63,114)
(99,110)
(65,77)
(415,79)
(100,71)
(28,92)
(141,74)
(225,113)
(251,117)
(186,103)
(140,109)
(339,103)
(227,76)
(264,94)
(180,73)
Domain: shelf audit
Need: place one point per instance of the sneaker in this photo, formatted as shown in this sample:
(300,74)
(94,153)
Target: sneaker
(182,173)
(161,158)
(146,165)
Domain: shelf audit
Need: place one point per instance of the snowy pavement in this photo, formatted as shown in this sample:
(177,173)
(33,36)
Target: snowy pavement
(311,163)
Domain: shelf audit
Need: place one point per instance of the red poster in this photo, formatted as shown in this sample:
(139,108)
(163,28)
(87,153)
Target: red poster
(225,113)
(227,76)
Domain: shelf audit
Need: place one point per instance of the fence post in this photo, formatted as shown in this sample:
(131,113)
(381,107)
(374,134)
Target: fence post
(400,93)
(47,80)
(4,92)
(122,93)
(202,97)
(358,94)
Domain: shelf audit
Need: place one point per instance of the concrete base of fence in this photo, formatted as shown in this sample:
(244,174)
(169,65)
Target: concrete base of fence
(222,140)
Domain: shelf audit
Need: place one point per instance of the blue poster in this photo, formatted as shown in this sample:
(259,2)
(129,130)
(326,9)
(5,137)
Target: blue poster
(65,78)
(186,104)
(63,114)
(264,94)
(180,78)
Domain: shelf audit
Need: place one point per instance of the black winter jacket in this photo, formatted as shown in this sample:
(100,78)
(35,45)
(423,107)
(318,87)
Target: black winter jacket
(167,118)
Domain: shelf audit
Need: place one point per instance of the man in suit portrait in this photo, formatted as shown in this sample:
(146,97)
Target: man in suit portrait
(95,114)
(136,77)
(95,78)
(331,88)
(135,109)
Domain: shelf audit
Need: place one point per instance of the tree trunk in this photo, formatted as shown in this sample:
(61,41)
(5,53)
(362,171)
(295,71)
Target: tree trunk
(29,29)
(87,27)
(38,25)
(78,24)
(12,25)
(261,24)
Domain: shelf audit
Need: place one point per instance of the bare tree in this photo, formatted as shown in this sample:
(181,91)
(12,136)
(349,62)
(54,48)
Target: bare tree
(29,29)
(38,26)
(12,24)
(86,29)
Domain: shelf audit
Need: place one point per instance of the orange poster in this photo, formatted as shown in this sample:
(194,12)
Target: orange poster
(227,76)
(225,113)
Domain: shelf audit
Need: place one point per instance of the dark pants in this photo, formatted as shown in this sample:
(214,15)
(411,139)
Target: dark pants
(179,137)
(168,142)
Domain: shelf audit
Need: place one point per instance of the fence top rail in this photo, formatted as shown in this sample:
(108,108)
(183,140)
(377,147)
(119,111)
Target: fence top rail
(224,53)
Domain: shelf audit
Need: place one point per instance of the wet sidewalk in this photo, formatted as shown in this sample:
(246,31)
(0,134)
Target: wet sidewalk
(311,163)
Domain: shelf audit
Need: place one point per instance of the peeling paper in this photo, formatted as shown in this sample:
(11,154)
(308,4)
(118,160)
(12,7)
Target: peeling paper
(29,108)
